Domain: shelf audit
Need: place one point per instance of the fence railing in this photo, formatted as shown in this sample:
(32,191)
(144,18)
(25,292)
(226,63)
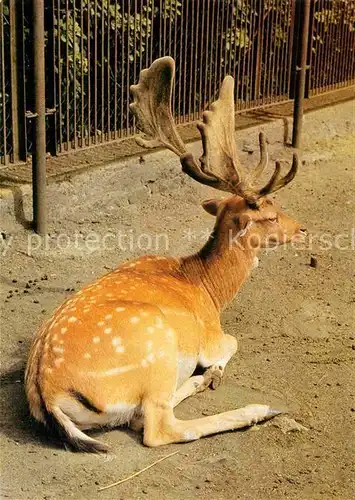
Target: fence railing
(95,49)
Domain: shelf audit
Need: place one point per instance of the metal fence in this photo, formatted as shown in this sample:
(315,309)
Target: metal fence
(95,49)
(332,45)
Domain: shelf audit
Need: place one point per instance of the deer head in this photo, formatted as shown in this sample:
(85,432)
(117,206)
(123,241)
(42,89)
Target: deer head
(220,167)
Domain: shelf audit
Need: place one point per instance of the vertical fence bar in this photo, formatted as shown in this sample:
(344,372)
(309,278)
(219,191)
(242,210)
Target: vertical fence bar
(191,71)
(102,84)
(301,74)
(95,85)
(214,64)
(290,48)
(51,78)
(89,98)
(82,69)
(14,81)
(39,150)
(74,141)
(122,72)
(342,45)
(3,88)
(108,75)
(115,103)
(210,67)
(259,54)
(67,76)
(128,61)
(60,81)
(284,59)
(185,65)
(179,111)
(18,121)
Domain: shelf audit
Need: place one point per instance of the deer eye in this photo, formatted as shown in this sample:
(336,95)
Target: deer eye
(273,220)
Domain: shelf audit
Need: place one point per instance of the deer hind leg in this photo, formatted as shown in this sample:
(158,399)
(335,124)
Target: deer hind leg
(161,427)
(192,386)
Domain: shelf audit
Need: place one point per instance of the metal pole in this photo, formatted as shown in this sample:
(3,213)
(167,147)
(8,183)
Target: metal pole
(301,74)
(39,149)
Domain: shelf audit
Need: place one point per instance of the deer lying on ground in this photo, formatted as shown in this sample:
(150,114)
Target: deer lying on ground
(124,349)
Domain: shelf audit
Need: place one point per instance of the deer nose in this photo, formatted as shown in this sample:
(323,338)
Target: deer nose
(303,231)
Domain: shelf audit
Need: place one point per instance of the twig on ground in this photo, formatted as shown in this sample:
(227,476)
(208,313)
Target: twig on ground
(138,472)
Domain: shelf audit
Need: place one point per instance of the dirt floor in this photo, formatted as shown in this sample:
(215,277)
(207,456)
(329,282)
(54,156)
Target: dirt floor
(294,323)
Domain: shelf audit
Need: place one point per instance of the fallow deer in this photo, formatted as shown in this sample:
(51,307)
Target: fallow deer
(124,349)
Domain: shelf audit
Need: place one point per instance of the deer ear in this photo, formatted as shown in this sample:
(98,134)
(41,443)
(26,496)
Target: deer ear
(211,206)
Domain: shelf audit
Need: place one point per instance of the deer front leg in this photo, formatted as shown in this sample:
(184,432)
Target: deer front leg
(215,356)
(194,385)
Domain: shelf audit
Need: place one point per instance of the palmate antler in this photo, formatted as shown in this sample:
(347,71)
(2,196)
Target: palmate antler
(219,165)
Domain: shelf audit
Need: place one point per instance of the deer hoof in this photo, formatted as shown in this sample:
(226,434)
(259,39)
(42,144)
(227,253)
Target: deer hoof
(213,376)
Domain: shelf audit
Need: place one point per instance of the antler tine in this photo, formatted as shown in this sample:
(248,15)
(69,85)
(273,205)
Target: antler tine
(276,183)
(152,106)
(264,158)
(220,157)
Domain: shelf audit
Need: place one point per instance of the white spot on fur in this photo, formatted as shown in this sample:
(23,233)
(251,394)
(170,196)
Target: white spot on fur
(72,319)
(150,329)
(120,349)
(96,340)
(108,331)
(108,316)
(58,350)
(170,333)
(58,361)
(159,323)
(144,363)
(87,355)
(116,340)
(150,358)
(161,353)
(120,309)
(111,372)
(134,319)
(100,323)
(149,345)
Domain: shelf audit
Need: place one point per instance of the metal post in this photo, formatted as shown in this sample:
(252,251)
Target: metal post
(39,149)
(301,73)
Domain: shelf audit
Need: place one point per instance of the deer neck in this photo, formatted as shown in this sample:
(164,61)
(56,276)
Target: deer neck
(220,268)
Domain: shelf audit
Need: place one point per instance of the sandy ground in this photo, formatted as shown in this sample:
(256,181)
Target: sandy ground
(295,326)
